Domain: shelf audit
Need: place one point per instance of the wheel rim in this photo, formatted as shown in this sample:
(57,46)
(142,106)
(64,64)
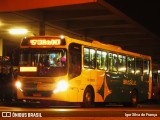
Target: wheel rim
(134,98)
(88,97)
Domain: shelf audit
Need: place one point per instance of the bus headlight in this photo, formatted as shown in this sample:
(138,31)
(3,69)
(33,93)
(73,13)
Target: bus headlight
(18,84)
(61,86)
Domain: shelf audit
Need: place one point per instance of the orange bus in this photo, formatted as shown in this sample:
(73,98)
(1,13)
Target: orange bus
(156,83)
(71,70)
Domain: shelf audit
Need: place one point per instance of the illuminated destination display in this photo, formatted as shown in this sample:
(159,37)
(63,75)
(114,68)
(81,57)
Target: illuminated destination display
(43,41)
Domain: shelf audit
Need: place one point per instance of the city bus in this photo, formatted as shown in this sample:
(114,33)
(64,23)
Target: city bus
(60,68)
(156,83)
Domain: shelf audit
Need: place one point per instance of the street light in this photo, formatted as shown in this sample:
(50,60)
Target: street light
(18,31)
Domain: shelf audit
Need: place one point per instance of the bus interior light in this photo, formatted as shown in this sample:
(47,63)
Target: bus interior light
(28,69)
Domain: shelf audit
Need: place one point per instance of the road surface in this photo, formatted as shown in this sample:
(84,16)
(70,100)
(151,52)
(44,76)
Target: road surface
(142,111)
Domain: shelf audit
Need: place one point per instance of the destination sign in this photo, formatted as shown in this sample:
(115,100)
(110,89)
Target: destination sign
(43,41)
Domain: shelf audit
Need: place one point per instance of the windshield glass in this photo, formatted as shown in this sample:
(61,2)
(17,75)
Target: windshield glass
(49,62)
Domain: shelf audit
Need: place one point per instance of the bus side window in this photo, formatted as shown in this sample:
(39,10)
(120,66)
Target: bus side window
(131,65)
(121,63)
(115,62)
(89,58)
(92,58)
(86,57)
(146,67)
(139,66)
(99,59)
(102,60)
(74,60)
(112,62)
(110,59)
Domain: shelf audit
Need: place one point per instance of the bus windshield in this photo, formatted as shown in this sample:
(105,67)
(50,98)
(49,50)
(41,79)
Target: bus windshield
(49,62)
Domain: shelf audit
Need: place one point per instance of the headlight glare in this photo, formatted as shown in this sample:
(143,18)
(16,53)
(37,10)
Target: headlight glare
(61,86)
(18,84)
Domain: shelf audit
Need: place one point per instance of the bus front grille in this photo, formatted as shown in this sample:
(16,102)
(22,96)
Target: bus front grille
(31,93)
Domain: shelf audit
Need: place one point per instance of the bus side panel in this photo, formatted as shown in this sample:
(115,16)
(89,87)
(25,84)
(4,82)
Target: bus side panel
(88,77)
(143,87)
(74,90)
(93,80)
(114,83)
(100,89)
(129,84)
(85,80)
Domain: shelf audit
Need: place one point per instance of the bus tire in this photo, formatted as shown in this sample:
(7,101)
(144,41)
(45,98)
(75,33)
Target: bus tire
(134,98)
(88,98)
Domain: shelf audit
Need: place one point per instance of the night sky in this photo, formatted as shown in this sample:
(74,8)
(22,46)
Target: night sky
(144,12)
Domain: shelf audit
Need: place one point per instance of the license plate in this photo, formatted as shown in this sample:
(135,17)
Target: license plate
(44,87)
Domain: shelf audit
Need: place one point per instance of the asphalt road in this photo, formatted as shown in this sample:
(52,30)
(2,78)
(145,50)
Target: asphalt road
(36,111)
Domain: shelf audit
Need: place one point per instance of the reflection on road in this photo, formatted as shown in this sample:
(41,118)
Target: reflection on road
(111,110)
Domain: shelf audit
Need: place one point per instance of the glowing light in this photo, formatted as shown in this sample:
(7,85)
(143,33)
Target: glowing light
(18,84)
(61,86)
(92,51)
(62,37)
(45,42)
(138,71)
(28,69)
(122,69)
(1,23)
(18,31)
(104,54)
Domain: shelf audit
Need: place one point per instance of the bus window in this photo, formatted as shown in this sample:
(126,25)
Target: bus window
(110,59)
(102,60)
(115,62)
(92,58)
(131,65)
(99,59)
(112,62)
(139,66)
(146,67)
(48,61)
(122,63)
(75,60)
(86,57)
(89,58)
